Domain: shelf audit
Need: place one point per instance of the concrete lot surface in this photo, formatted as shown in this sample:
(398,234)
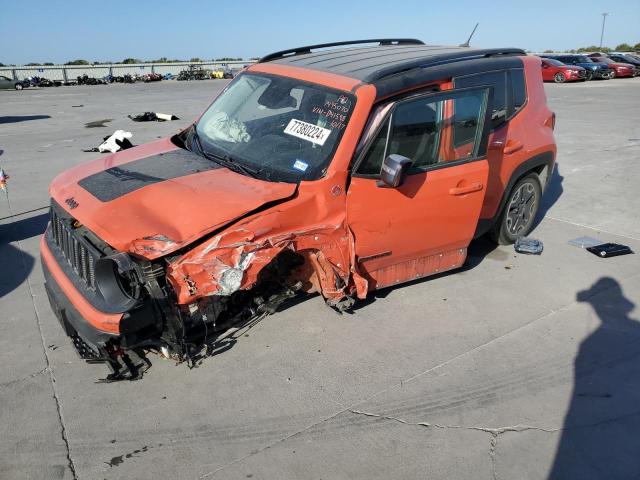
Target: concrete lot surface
(516,367)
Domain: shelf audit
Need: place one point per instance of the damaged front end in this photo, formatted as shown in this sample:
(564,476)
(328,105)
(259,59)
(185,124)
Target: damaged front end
(188,303)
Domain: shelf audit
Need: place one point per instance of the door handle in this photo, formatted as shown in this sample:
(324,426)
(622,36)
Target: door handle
(512,147)
(474,187)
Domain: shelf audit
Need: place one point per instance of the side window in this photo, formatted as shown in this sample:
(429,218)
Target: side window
(499,82)
(518,88)
(430,130)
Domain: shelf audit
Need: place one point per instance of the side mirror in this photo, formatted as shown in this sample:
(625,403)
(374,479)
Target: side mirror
(394,169)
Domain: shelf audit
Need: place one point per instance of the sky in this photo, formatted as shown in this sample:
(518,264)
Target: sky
(63,30)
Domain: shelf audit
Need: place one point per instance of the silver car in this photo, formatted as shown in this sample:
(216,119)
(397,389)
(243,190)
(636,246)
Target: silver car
(8,83)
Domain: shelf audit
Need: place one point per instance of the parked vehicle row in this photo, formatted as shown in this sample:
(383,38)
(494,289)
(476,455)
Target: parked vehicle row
(560,68)
(7,83)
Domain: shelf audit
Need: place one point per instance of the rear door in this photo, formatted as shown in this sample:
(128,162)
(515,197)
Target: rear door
(425,225)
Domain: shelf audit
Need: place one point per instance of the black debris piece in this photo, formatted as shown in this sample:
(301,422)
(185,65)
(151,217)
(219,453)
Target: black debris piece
(607,250)
(152,117)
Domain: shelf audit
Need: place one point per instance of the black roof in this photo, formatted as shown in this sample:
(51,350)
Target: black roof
(388,57)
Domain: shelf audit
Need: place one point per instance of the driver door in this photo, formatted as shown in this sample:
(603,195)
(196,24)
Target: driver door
(423,226)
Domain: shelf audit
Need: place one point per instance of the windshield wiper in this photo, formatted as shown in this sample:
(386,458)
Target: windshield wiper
(224,160)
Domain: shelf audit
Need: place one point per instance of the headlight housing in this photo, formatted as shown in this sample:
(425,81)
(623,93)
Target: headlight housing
(119,281)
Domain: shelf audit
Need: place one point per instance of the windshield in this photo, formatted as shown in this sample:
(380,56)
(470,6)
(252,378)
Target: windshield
(555,63)
(603,60)
(584,59)
(281,128)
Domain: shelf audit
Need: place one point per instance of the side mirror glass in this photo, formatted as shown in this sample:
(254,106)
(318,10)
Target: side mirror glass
(394,169)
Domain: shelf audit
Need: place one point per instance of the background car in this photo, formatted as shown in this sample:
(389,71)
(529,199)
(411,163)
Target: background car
(556,71)
(619,69)
(624,58)
(7,83)
(593,69)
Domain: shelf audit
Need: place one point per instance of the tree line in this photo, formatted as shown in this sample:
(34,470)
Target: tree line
(623,47)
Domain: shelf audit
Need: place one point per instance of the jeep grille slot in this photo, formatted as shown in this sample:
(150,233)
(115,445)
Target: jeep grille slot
(74,249)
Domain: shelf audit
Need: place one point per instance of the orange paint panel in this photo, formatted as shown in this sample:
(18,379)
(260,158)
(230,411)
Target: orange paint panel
(423,217)
(527,126)
(419,267)
(106,322)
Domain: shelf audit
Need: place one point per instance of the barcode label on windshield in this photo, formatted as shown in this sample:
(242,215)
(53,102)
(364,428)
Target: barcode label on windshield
(307,131)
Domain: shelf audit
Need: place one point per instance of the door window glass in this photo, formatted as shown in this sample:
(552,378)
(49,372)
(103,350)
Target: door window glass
(430,130)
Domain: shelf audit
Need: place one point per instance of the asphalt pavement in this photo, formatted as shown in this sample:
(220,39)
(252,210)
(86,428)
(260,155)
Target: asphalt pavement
(515,367)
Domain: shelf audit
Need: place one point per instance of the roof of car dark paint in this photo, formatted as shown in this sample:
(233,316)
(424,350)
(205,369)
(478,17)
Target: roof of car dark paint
(370,63)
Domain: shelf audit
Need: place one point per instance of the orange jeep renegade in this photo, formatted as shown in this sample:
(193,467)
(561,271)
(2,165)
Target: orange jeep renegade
(318,169)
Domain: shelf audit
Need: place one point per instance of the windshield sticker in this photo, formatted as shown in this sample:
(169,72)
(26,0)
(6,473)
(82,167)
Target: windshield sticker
(307,131)
(335,111)
(300,165)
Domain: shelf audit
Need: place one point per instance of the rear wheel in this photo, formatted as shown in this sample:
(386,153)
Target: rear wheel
(519,213)
(19,86)
(559,78)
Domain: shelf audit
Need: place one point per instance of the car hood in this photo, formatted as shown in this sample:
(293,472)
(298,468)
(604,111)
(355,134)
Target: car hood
(156,198)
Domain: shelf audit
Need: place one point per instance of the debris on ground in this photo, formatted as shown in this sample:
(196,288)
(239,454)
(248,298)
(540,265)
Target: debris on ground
(530,246)
(606,250)
(119,140)
(585,242)
(153,117)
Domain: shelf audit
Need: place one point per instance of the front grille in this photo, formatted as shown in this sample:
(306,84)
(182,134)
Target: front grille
(75,250)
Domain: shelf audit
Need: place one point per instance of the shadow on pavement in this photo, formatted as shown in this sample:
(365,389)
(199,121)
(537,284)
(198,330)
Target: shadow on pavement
(15,265)
(551,195)
(22,118)
(600,436)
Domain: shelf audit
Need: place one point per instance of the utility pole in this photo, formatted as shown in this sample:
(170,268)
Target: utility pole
(604,17)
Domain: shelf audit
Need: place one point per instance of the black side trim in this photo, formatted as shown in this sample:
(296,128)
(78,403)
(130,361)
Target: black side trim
(118,181)
(541,160)
(420,75)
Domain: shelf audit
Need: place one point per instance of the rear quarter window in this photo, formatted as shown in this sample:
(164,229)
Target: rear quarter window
(498,80)
(518,88)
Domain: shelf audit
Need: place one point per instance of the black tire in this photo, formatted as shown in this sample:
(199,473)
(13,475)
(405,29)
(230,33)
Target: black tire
(589,75)
(19,86)
(559,78)
(519,212)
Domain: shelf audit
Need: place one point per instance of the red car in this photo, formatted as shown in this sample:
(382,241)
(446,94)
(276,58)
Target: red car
(556,71)
(619,69)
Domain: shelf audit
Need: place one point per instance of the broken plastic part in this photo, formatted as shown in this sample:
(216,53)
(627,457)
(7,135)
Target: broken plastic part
(529,246)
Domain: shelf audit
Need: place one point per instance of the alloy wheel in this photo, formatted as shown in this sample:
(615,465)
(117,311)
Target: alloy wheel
(521,208)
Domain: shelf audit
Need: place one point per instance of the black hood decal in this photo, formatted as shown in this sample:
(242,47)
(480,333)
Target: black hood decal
(129,177)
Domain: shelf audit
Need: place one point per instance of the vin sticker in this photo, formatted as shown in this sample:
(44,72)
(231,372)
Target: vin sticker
(307,131)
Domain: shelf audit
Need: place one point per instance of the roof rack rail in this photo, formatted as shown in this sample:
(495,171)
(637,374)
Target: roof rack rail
(307,49)
(464,54)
